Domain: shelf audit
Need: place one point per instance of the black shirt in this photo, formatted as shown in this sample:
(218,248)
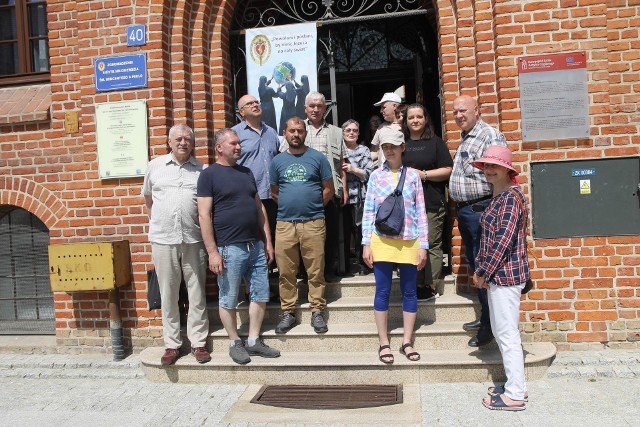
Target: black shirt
(235,215)
(429,154)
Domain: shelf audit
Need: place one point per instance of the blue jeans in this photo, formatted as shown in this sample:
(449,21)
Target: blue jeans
(243,261)
(383,272)
(469,226)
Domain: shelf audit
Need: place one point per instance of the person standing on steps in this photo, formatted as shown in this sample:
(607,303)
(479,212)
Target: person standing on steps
(429,155)
(502,269)
(301,184)
(259,145)
(408,249)
(238,240)
(469,188)
(176,242)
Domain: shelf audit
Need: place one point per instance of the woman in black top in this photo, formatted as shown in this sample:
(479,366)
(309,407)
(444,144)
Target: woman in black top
(428,153)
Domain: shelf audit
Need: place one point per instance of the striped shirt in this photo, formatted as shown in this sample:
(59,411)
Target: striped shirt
(174,212)
(467,182)
(382,183)
(502,258)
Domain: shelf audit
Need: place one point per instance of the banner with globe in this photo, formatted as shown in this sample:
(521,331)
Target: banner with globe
(281,70)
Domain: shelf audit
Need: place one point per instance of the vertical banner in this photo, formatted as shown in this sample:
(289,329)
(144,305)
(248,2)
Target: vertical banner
(281,70)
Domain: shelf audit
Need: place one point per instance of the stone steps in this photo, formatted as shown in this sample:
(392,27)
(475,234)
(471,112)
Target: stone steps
(347,353)
(338,367)
(359,309)
(353,337)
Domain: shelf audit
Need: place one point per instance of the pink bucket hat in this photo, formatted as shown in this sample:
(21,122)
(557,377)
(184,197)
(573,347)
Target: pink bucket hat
(496,155)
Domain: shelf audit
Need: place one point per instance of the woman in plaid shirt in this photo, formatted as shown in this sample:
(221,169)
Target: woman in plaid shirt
(408,249)
(502,268)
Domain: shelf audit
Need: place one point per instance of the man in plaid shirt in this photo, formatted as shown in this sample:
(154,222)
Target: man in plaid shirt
(471,192)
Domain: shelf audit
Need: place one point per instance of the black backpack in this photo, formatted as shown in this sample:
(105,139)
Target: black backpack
(390,215)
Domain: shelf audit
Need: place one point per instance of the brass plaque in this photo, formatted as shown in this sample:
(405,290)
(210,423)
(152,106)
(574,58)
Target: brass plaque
(71,122)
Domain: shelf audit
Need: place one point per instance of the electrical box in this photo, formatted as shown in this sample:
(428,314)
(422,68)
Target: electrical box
(578,198)
(89,266)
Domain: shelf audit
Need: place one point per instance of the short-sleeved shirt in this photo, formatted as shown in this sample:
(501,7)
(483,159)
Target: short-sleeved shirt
(429,154)
(235,215)
(174,211)
(299,179)
(468,182)
(258,150)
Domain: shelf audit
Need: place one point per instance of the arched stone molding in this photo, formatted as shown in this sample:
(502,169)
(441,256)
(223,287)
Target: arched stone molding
(32,197)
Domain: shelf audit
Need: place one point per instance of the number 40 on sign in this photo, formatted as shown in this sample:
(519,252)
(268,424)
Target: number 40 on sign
(136,35)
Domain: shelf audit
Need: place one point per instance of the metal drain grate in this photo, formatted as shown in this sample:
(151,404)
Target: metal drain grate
(328,397)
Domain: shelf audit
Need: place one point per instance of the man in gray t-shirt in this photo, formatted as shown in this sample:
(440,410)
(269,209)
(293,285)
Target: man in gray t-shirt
(301,183)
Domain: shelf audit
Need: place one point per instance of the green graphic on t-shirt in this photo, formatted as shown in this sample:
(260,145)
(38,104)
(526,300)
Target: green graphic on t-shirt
(295,172)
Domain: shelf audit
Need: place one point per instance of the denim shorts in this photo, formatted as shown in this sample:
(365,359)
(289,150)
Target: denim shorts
(246,261)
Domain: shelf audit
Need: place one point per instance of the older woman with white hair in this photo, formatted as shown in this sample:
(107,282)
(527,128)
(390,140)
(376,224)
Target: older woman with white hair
(406,247)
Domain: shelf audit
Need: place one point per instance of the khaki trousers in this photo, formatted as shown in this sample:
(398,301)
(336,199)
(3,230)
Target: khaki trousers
(172,262)
(306,238)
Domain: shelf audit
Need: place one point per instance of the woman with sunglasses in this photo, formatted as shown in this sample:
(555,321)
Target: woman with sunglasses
(358,166)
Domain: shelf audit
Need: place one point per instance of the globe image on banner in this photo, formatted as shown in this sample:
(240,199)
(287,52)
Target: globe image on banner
(284,71)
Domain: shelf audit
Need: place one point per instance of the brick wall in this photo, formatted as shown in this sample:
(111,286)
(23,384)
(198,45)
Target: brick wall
(587,289)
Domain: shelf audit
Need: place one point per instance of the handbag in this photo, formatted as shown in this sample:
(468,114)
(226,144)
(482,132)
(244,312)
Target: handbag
(528,285)
(153,290)
(390,215)
(154,300)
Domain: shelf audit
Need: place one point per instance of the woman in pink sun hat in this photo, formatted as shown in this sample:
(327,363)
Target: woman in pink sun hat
(502,268)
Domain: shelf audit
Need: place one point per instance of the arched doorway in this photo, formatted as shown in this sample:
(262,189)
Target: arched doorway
(376,45)
(26,300)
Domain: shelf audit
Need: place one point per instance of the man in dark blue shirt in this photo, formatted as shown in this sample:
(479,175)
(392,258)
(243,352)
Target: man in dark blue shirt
(236,235)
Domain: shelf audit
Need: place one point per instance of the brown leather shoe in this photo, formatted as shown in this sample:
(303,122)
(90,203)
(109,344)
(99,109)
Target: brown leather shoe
(201,354)
(170,356)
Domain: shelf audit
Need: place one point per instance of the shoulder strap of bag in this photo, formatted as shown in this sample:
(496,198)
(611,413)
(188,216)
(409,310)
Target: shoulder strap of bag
(400,185)
(524,221)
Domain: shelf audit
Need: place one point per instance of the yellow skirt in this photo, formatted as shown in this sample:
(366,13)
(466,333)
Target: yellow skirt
(394,250)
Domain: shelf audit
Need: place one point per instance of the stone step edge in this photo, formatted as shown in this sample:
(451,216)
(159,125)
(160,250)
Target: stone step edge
(447,300)
(534,353)
(350,330)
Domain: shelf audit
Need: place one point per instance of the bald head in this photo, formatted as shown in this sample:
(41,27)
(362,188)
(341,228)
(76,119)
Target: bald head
(465,112)
(249,109)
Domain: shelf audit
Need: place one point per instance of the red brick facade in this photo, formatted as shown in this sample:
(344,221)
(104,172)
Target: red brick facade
(587,289)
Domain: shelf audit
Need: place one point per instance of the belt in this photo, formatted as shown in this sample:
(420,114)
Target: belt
(472,202)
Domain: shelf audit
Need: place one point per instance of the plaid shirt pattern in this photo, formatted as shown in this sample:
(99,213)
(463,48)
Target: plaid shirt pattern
(381,184)
(467,182)
(360,157)
(502,258)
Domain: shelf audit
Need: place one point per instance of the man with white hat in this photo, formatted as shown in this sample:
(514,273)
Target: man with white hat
(388,105)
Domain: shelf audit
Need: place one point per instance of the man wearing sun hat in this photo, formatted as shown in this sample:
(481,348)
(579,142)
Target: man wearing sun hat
(388,105)
(468,187)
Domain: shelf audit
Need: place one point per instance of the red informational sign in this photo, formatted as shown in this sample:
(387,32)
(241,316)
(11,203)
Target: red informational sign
(552,62)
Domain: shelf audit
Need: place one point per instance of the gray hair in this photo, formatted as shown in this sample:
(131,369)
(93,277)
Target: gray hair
(314,95)
(350,121)
(179,127)
(222,134)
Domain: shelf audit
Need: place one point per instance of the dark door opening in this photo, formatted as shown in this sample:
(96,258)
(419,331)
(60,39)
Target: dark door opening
(371,57)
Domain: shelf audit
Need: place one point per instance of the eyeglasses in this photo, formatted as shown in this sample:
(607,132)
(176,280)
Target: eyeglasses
(350,130)
(250,104)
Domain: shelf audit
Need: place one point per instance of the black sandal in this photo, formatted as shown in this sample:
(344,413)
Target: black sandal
(387,359)
(409,355)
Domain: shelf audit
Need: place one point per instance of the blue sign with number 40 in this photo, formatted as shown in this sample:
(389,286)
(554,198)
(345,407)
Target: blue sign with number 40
(136,35)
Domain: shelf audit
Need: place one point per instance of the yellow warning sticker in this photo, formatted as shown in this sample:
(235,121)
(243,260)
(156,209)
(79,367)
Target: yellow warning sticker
(585,186)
